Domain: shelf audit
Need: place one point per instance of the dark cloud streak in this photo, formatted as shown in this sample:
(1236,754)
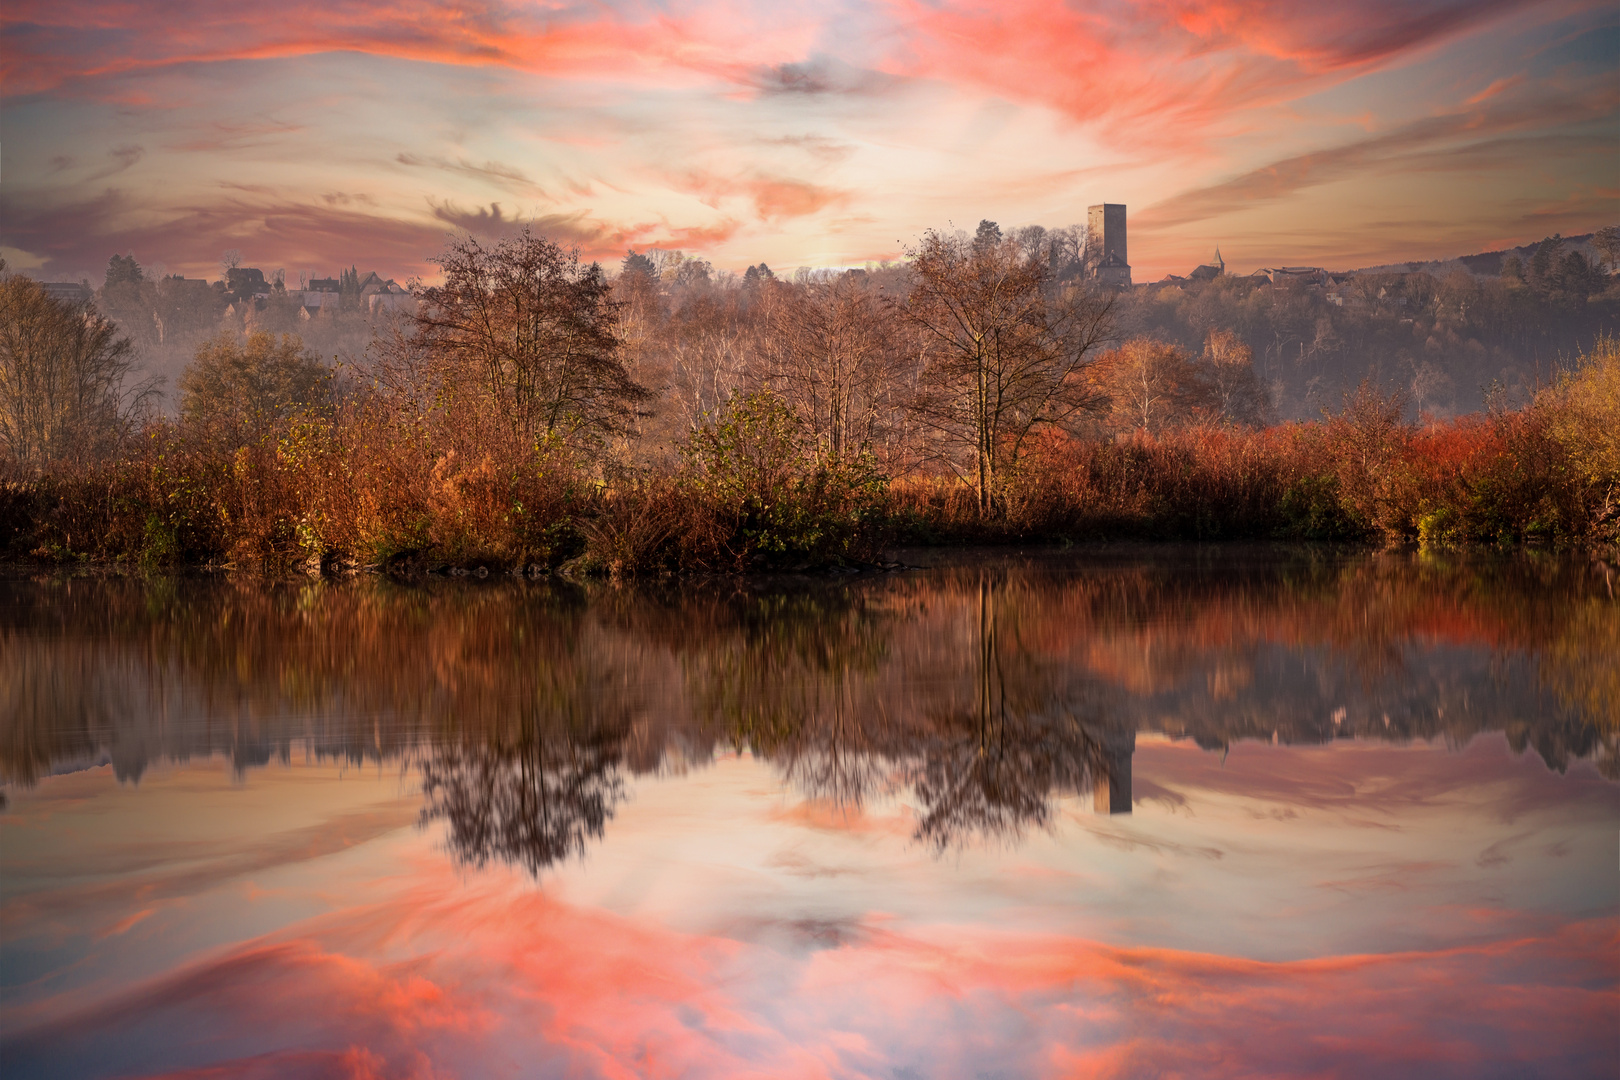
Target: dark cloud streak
(1499,132)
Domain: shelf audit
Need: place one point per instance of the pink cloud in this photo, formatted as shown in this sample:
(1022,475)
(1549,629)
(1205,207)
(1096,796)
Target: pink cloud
(58,44)
(1150,84)
(449,977)
(1143,71)
(774,198)
(1170,73)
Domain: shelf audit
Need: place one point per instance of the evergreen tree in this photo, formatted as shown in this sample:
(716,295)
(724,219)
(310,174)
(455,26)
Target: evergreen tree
(123,270)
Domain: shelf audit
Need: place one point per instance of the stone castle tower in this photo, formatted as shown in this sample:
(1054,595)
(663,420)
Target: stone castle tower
(1105,239)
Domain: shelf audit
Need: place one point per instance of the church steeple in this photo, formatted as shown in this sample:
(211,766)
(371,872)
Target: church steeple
(1220,262)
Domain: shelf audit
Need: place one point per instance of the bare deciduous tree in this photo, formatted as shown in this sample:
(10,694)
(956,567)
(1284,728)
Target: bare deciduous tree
(1006,349)
(527,328)
(1429,386)
(246,386)
(62,377)
(1150,386)
(831,350)
(1236,394)
(706,347)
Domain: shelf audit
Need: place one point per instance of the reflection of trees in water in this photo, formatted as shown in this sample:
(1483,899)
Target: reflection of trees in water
(791,678)
(982,691)
(529,767)
(1030,732)
(533,801)
(981,729)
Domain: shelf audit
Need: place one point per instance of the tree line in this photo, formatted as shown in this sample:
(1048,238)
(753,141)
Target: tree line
(533,406)
(952,361)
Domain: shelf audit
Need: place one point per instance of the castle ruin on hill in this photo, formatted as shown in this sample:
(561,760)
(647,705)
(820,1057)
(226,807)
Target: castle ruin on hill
(1105,241)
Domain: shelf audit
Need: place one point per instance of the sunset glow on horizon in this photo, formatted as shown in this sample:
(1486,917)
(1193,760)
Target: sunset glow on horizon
(312,137)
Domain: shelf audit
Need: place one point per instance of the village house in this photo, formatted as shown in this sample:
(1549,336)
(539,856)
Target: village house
(68,292)
(1209,271)
(372,293)
(1307,275)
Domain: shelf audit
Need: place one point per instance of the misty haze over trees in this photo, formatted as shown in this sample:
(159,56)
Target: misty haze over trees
(1449,342)
(1448,335)
(531,407)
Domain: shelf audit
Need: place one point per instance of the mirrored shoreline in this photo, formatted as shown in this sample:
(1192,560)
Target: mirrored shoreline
(985,689)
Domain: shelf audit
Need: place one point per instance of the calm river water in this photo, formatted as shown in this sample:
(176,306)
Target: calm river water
(1124,812)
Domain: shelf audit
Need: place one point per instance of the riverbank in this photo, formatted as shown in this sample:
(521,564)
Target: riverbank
(357,486)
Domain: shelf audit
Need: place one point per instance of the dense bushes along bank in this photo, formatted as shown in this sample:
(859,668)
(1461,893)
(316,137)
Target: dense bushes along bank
(364,485)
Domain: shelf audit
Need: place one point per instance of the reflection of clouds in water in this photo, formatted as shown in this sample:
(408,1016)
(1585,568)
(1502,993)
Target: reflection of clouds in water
(728,952)
(162,871)
(1373,785)
(473,975)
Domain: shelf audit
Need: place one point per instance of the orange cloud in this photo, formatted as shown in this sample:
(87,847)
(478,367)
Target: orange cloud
(715,93)
(774,198)
(448,977)
(1161,67)
(60,43)
(1504,131)
(1168,71)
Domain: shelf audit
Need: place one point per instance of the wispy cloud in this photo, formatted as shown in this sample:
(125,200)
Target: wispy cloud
(773,197)
(1499,133)
(123,157)
(504,176)
(761,129)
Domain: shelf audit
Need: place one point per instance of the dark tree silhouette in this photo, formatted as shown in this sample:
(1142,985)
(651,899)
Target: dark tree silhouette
(533,801)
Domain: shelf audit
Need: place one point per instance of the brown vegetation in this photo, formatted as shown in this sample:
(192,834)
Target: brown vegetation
(534,412)
(1006,349)
(63,368)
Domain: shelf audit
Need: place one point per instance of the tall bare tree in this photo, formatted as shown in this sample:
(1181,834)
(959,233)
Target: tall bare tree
(533,332)
(1235,392)
(63,369)
(706,346)
(1151,385)
(832,351)
(1006,349)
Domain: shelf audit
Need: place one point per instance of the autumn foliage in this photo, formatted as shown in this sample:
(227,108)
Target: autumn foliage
(516,425)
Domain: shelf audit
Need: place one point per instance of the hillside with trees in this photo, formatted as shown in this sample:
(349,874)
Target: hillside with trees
(1453,344)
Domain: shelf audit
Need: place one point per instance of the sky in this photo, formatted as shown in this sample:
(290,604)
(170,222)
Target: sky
(312,136)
